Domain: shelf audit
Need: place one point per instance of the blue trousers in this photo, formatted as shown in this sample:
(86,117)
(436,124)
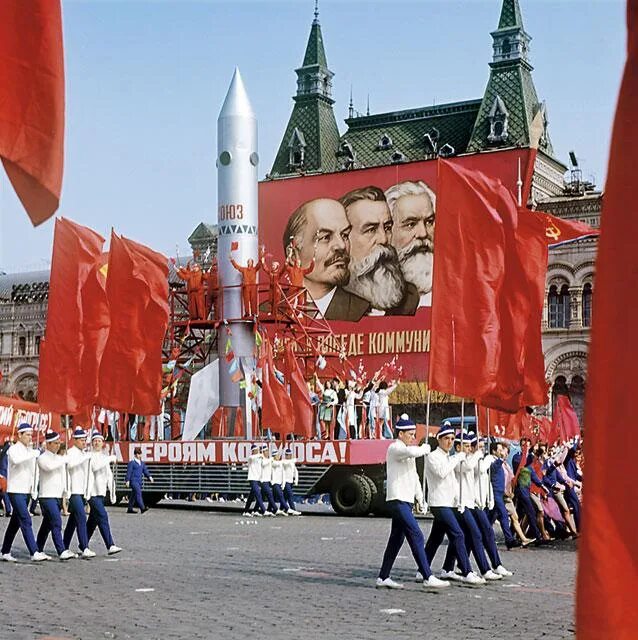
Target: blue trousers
(279,497)
(51,523)
(571,498)
(473,543)
(446,523)
(77,522)
(135,498)
(99,518)
(20,520)
(527,506)
(404,526)
(499,512)
(255,495)
(290,498)
(487,535)
(267,489)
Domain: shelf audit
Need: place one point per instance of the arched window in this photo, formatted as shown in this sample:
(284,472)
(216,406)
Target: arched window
(587,304)
(22,346)
(506,48)
(37,344)
(558,307)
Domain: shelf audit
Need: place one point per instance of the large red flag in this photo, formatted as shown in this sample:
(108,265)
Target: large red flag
(137,289)
(302,406)
(276,406)
(32,104)
(608,570)
(565,420)
(77,321)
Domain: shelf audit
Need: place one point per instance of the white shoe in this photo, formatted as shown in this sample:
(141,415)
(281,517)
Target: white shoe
(68,555)
(258,514)
(434,583)
(39,556)
(472,580)
(7,557)
(388,583)
(247,515)
(451,575)
(269,514)
(418,577)
(280,512)
(87,553)
(491,575)
(222,500)
(502,571)
(209,499)
(113,549)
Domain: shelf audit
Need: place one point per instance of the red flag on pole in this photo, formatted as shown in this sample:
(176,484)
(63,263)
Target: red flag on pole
(300,397)
(565,421)
(32,105)
(77,321)
(607,570)
(137,289)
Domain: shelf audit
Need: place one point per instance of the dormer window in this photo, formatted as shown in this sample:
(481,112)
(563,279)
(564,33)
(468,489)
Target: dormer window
(429,144)
(297,149)
(397,157)
(347,156)
(498,117)
(385,143)
(446,151)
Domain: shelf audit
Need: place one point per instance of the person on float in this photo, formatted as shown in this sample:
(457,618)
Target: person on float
(254,479)
(101,480)
(20,484)
(403,491)
(443,489)
(52,472)
(249,293)
(136,471)
(77,469)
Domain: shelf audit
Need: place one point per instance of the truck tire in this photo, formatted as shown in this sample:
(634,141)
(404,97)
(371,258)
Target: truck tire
(351,496)
(374,490)
(151,499)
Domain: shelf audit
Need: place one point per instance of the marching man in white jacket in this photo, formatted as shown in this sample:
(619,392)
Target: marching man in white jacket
(277,478)
(52,472)
(403,489)
(99,481)
(266,480)
(254,479)
(77,468)
(20,485)
(291,478)
(443,498)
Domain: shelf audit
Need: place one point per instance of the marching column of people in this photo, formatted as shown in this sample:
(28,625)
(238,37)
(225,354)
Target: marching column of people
(49,477)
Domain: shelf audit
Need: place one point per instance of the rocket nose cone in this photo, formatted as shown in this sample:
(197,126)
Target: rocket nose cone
(237,102)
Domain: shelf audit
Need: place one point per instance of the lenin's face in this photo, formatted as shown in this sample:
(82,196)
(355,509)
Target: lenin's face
(326,236)
(413,237)
(375,273)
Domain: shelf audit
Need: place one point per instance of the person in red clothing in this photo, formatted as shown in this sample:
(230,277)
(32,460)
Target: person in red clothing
(248,286)
(296,274)
(211,281)
(192,275)
(275,272)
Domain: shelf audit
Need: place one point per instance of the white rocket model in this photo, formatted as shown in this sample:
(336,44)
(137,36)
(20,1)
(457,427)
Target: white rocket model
(237,161)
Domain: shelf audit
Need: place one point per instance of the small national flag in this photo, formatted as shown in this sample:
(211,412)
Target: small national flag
(258,339)
(234,366)
(237,376)
(228,347)
(234,245)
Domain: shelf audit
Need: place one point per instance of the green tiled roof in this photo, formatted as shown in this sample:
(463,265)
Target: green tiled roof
(315,53)
(406,129)
(315,119)
(510,15)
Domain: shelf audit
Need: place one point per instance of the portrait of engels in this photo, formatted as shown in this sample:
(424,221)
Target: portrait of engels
(372,250)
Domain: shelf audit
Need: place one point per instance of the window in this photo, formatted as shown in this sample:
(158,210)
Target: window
(506,48)
(37,344)
(559,307)
(587,304)
(385,142)
(22,346)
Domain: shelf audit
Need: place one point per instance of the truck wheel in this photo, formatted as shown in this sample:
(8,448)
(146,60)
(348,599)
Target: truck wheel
(351,496)
(151,499)
(374,490)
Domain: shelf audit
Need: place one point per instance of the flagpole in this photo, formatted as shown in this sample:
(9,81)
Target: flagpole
(478,438)
(427,433)
(461,465)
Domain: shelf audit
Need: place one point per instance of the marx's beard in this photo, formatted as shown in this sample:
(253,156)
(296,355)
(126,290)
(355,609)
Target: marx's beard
(416,260)
(377,278)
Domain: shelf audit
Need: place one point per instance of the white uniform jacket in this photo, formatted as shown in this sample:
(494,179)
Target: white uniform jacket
(277,472)
(52,471)
(402,478)
(77,468)
(100,474)
(266,469)
(291,475)
(442,483)
(467,497)
(254,467)
(21,468)
(483,485)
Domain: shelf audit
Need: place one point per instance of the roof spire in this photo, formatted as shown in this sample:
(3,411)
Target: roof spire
(511,15)
(351,105)
(368,109)
(316,20)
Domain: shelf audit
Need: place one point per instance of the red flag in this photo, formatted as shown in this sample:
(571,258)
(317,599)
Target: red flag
(32,105)
(302,406)
(137,289)
(481,307)
(276,405)
(565,421)
(77,321)
(607,563)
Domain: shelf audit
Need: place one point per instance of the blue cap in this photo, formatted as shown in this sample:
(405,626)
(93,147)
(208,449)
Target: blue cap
(96,435)
(79,433)
(288,452)
(255,447)
(470,438)
(404,423)
(24,427)
(264,446)
(445,430)
(51,436)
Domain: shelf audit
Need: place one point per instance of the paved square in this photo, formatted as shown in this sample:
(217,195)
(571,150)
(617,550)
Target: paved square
(203,574)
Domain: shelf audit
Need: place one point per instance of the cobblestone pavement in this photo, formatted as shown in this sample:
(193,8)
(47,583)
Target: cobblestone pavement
(195,574)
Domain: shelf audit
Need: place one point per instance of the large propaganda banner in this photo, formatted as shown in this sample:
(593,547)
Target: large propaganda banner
(14,412)
(366,239)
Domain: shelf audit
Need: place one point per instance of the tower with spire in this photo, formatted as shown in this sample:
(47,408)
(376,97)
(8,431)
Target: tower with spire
(312,136)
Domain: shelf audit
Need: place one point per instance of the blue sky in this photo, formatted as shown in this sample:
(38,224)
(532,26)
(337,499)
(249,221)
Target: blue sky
(146,80)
